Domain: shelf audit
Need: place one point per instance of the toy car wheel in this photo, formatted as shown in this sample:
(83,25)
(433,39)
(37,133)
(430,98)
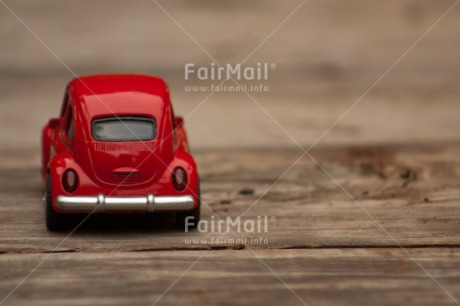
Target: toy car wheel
(181,217)
(54,220)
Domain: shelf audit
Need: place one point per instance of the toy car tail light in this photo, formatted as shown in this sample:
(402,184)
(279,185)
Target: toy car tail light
(70,180)
(179,178)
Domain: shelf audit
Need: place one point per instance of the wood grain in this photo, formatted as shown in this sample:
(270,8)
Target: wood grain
(325,246)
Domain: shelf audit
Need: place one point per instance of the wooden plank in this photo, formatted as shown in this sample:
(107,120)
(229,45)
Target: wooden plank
(310,209)
(318,277)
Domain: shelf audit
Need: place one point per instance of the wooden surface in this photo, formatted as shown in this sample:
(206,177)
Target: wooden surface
(323,248)
(392,240)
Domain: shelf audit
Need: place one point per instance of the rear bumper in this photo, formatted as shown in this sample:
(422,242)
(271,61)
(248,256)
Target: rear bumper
(101,203)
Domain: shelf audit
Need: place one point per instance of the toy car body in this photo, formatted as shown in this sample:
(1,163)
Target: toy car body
(117,147)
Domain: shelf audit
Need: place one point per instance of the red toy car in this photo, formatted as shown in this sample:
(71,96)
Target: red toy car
(118,148)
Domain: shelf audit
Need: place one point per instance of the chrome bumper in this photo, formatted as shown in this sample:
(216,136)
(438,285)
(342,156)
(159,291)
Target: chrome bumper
(148,204)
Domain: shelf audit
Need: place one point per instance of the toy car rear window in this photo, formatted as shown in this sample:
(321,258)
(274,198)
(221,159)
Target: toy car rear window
(124,129)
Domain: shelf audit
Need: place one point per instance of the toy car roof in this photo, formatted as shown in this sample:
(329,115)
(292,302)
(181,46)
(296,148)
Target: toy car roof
(119,94)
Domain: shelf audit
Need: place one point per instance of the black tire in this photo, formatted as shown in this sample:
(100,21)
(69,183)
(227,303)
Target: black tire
(55,221)
(181,217)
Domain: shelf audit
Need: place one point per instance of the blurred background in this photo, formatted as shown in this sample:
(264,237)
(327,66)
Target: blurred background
(326,53)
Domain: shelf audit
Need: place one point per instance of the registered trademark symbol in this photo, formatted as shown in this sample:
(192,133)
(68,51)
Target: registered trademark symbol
(273,66)
(273,218)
